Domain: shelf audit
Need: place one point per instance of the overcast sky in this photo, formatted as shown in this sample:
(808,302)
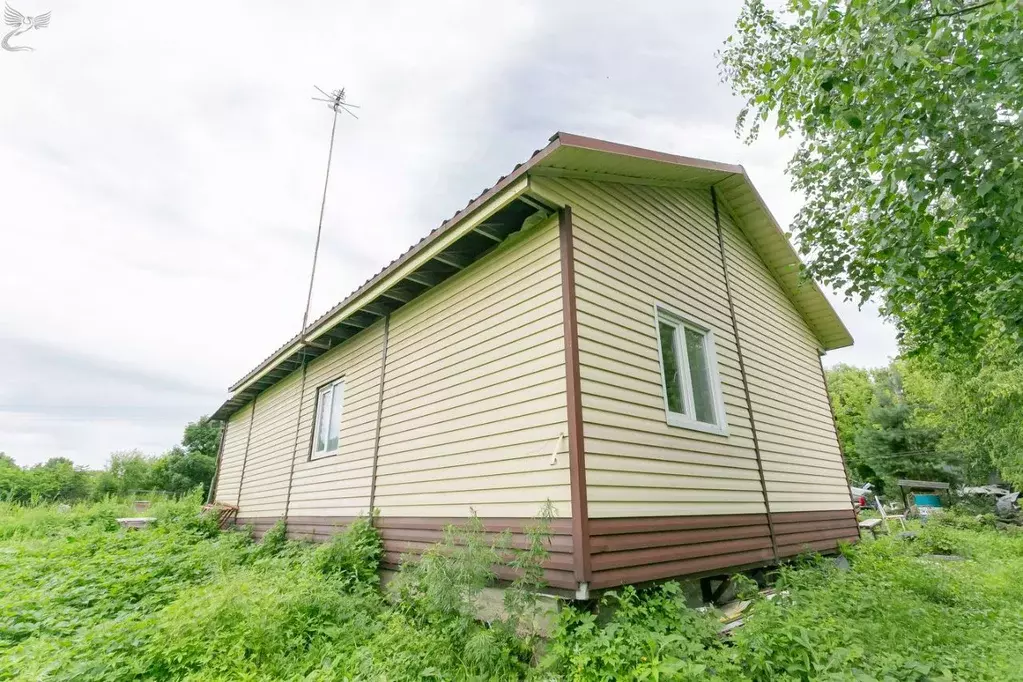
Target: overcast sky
(161,169)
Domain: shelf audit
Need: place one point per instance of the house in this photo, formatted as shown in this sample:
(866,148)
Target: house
(623,332)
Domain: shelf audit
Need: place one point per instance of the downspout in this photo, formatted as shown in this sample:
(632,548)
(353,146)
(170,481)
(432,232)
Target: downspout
(742,372)
(380,412)
(245,457)
(220,458)
(298,431)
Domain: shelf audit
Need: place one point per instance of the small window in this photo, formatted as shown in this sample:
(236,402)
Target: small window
(330,402)
(692,392)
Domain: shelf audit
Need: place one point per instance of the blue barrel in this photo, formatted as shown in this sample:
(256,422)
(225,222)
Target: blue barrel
(928,500)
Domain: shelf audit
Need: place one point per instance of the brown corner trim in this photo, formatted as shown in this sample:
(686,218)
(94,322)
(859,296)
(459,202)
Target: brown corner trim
(380,414)
(245,457)
(742,371)
(576,446)
(212,495)
(298,431)
(834,422)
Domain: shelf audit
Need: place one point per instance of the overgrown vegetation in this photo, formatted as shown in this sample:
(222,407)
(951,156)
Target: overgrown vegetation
(82,599)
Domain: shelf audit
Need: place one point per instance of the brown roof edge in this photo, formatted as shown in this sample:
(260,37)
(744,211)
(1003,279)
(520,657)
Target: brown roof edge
(571,140)
(848,340)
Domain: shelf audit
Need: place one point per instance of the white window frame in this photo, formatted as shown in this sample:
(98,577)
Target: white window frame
(665,314)
(320,391)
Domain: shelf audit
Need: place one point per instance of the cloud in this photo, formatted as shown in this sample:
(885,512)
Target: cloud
(162,167)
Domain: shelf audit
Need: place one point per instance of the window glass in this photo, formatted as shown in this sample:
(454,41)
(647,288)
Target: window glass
(672,368)
(691,386)
(336,408)
(329,409)
(323,418)
(699,372)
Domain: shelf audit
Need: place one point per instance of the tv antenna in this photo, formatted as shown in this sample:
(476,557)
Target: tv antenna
(336,101)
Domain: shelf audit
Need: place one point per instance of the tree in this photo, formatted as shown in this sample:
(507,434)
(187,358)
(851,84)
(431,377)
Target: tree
(192,464)
(57,479)
(12,480)
(979,410)
(202,437)
(911,146)
(893,442)
(131,471)
(852,397)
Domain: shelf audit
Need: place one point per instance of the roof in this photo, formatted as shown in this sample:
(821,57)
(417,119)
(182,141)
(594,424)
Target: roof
(498,212)
(926,485)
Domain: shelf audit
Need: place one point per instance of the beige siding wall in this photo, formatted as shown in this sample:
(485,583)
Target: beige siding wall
(339,485)
(637,246)
(799,449)
(474,405)
(475,391)
(232,456)
(268,463)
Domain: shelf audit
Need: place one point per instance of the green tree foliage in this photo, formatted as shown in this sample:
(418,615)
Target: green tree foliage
(131,473)
(852,395)
(895,442)
(979,409)
(58,479)
(911,146)
(922,418)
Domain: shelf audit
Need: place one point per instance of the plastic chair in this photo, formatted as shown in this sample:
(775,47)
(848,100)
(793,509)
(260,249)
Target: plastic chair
(885,516)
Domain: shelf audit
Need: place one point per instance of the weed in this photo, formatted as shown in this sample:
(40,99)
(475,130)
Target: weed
(352,556)
(274,541)
(522,597)
(447,579)
(745,587)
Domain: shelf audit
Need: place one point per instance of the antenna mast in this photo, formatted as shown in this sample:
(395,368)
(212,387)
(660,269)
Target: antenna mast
(336,101)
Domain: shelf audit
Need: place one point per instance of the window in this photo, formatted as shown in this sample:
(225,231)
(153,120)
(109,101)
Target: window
(692,392)
(330,402)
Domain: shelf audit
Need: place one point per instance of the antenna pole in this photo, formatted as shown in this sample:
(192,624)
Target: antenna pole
(319,227)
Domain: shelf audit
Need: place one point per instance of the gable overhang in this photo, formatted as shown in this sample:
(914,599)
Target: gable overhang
(500,211)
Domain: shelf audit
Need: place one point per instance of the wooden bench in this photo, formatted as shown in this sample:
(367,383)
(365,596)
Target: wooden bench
(136,523)
(871,525)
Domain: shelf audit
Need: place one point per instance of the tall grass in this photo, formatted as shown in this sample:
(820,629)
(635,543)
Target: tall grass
(81,599)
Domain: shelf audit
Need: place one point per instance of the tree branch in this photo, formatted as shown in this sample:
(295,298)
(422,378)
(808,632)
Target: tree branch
(964,10)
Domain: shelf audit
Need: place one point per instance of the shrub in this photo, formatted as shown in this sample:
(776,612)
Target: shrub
(274,541)
(352,556)
(446,580)
(935,538)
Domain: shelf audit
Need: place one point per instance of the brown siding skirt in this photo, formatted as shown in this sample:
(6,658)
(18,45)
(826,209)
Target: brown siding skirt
(640,550)
(412,535)
(624,550)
